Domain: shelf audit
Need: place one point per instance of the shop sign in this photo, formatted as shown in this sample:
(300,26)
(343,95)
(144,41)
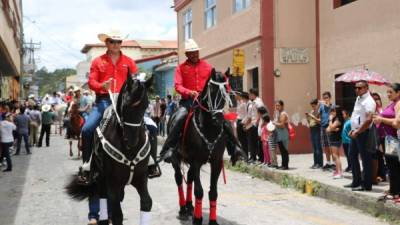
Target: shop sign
(294,55)
(238,62)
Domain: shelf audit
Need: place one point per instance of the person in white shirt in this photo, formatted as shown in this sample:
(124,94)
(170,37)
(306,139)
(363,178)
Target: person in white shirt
(7,139)
(46,100)
(251,125)
(243,102)
(361,120)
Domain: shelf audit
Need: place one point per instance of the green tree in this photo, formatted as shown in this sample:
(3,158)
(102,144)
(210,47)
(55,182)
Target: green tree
(50,82)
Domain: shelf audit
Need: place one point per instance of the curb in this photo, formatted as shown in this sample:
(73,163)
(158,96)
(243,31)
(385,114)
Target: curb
(387,211)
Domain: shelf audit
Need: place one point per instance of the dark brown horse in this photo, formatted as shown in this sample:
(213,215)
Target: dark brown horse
(204,140)
(76,122)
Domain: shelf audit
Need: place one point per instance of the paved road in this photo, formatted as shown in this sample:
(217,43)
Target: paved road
(33,195)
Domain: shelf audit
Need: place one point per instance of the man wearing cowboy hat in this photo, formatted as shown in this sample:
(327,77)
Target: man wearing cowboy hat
(31,100)
(47,119)
(107,72)
(190,78)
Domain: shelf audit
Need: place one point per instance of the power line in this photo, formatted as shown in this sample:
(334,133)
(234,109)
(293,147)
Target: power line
(69,51)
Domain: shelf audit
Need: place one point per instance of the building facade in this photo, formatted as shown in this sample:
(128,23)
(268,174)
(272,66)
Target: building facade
(162,67)
(294,50)
(10,48)
(358,34)
(277,39)
(136,49)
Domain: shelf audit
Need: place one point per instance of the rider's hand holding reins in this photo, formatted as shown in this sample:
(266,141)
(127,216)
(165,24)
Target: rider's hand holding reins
(194,94)
(107,84)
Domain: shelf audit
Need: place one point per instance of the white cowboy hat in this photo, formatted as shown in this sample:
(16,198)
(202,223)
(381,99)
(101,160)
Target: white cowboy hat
(86,92)
(113,34)
(191,46)
(46,108)
(270,126)
(76,88)
(31,96)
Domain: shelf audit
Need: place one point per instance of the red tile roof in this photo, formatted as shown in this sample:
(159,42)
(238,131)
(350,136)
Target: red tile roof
(144,44)
(165,55)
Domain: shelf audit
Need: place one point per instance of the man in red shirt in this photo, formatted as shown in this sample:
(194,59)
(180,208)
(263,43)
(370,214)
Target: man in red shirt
(190,79)
(107,72)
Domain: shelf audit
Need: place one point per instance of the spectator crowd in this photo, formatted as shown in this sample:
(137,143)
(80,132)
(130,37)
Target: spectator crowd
(31,120)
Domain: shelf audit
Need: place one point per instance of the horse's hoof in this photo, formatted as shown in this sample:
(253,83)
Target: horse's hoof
(183,215)
(213,222)
(189,209)
(197,221)
(103,222)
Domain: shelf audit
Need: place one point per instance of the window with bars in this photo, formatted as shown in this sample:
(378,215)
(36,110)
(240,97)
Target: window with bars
(210,13)
(187,24)
(239,5)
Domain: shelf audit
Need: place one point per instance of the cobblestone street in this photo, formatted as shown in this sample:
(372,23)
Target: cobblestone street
(33,194)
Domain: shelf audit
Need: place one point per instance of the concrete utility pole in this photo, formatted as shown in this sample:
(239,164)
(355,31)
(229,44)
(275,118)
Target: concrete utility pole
(30,61)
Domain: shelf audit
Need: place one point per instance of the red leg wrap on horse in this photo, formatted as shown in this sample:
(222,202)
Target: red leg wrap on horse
(213,210)
(189,192)
(198,210)
(182,201)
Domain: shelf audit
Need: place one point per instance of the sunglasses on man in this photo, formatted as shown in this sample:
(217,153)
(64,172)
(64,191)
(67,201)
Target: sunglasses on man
(114,42)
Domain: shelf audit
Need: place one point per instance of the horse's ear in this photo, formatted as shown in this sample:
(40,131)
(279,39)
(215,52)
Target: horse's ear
(149,82)
(213,72)
(228,72)
(129,80)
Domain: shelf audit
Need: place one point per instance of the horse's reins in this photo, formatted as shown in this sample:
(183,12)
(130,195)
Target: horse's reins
(213,109)
(116,112)
(115,153)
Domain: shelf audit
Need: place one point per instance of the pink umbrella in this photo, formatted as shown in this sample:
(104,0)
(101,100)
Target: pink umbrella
(357,75)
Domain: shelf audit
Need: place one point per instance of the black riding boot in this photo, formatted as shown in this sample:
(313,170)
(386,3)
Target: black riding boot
(178,121)
(154,169)
(237,152)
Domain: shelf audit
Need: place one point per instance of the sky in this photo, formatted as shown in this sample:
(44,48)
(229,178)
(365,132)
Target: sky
(64,27)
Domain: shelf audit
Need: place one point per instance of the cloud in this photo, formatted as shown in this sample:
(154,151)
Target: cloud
(64,27)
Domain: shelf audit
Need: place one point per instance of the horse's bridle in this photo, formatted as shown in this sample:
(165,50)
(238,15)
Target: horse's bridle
(212,106)
(213,109)
(120,120)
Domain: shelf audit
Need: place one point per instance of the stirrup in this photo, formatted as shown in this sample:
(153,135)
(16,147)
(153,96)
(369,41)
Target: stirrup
(168,157)
(154,171)
(85,167)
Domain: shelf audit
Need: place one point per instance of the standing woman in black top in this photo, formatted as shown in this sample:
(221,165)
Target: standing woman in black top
(334,131)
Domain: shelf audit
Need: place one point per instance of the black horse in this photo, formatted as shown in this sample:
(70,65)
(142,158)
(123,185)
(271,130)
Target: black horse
(121,154)
(203,140)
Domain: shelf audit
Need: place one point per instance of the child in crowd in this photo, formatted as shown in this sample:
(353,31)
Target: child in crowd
(346,140)
(261,112)
(272,142)
(264,138)
(333,131)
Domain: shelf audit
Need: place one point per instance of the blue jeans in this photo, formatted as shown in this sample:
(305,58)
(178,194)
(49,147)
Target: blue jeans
(94,208)
(91,123)
(6,153)
(26,141)
(358,147)
(316,144)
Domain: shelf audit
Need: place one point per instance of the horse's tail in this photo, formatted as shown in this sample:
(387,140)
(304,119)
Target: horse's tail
(78,191)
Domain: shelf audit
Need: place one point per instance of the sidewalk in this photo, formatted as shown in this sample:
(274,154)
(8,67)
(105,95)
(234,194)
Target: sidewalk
(321,184)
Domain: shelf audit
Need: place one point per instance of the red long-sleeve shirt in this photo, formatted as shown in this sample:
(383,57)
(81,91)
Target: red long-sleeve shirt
(189,77)
(102,69)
